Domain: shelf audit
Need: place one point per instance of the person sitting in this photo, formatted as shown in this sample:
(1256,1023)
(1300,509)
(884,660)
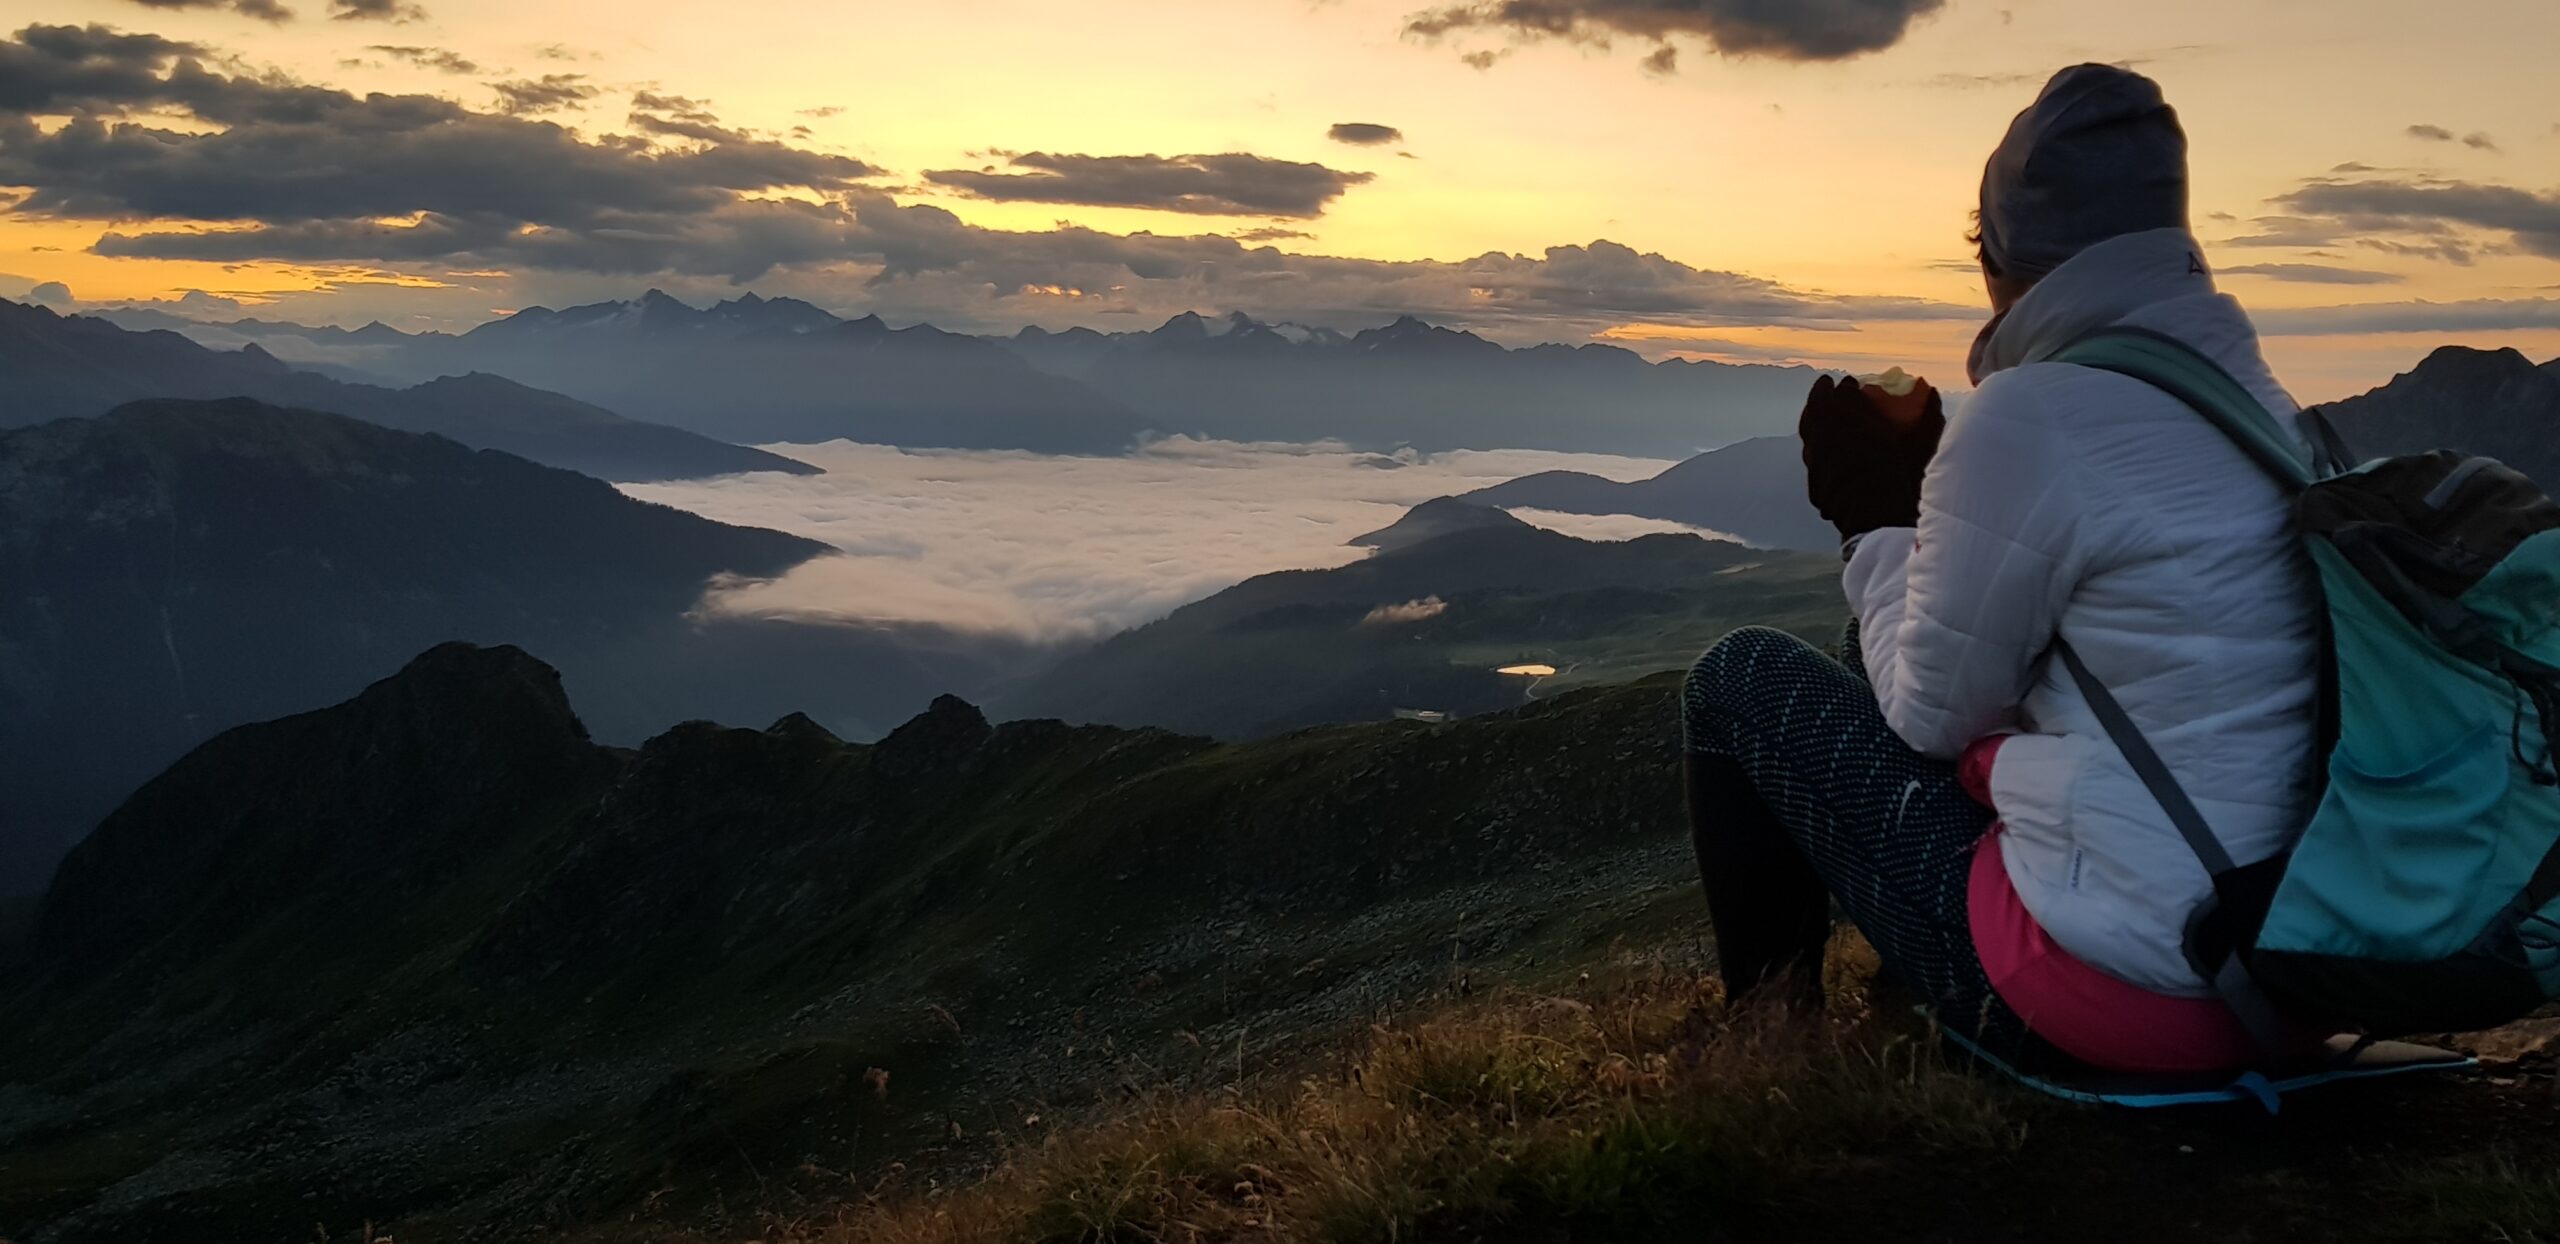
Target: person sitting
(1944,781)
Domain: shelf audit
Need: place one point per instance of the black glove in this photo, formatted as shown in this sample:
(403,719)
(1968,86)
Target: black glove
(1862,469)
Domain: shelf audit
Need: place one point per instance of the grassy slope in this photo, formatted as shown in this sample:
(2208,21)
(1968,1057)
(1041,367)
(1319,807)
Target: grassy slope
(1636,1109)
(675,983)
(1114,986)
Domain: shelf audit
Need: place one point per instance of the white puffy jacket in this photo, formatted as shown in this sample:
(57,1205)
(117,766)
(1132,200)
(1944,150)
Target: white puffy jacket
(2071,501)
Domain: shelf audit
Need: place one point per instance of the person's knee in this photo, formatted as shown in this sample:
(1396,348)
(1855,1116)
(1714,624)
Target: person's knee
(1744,653)
(1722,685)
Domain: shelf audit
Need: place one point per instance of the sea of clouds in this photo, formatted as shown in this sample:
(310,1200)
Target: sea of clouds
(1064,548)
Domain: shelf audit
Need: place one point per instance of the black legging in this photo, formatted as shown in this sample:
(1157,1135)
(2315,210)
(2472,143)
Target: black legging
(1799,793)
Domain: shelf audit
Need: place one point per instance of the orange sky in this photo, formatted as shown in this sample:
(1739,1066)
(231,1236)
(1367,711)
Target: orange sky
(1849,177)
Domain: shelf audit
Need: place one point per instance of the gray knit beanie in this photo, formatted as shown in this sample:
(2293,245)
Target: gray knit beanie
(2098,155)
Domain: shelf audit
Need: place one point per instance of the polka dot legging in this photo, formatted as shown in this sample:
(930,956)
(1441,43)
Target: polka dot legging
(1798,793)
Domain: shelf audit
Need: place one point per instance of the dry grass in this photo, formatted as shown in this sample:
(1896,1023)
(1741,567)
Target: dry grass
(1612,1115)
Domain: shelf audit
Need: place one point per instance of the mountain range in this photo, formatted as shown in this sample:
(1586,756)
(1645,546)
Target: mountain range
(71,366)
(1456,594)
(1413,383)
(758,370)
(434,959)
(170,569)
(752,370)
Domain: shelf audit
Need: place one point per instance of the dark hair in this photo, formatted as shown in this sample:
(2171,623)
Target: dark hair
(1982,254)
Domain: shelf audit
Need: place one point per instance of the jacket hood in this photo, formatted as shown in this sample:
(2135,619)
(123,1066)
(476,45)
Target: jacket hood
(2104,285)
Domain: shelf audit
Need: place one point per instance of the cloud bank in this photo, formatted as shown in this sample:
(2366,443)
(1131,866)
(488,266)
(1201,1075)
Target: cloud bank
(1801,30)
(276,170)
(1073,548)
(1233,184)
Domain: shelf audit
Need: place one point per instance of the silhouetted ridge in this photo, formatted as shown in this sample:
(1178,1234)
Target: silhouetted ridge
(1433,519)
(1413,383)
(430,762)
(60,367)
(777,369)
(221,562)
(2491,402)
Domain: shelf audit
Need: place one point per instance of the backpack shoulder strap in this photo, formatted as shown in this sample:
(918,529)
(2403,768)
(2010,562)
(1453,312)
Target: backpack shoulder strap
(2147,764)
(2258,1014)
(2174,367)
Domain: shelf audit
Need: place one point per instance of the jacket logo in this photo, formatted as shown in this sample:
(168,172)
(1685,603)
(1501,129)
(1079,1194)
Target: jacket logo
(2195,265)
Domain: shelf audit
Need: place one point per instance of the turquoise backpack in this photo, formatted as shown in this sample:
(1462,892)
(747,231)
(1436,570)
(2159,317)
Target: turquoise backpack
(2424,895)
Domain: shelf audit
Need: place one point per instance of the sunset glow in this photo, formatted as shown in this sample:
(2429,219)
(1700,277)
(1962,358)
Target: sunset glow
(990,163)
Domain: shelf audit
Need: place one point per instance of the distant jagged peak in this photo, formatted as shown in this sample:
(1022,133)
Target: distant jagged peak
(256,356)
(1188,326)
(1076,332)
(789,314)
(1411,332)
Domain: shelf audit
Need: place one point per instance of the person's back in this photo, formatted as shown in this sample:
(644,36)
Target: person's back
(1951,788)
(2141,534)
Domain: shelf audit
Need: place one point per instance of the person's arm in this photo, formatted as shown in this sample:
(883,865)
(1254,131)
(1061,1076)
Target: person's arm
(1956,614)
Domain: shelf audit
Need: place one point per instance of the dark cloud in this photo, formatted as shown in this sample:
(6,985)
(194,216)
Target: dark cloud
(1663,60)
(551,92)
(1364,134)
(678,106)
(263,10)
(2312,274)
(443,59)
(1272,233)
(1234,184)
(2432,209)
(676,116)
(268,169)
(395,11)
(923,262)
(2475,140)
(2458,254)
(46,69)
(822,113)
(1783,29)
(302,172)
(51,294)
(1485,58)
